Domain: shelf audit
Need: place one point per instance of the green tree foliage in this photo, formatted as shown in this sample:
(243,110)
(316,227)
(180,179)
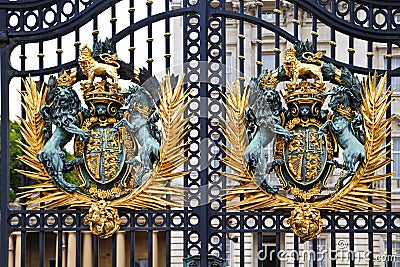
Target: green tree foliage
(15,151)
(15,164)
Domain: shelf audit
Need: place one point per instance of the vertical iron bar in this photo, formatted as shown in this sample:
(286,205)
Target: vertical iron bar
(23,177)
(351,238)
(5,140)
(167,38)
(42,237)
(95,251)
(278,239)
(186,178)
(59,248)
(114,251)
(132,241)
(296,248)
(315,250)
(370,235)
(95,32)
(241,240)
(132,33)
(77,43)
(59,51)
(241,77)
(150,248)
(78,239)
(276,35)
(241,51)
(150,240)
(225,240)
(370,55)
(260,248)
(41,62)
(333,31)
(149,39)
(388,181)
(168,242)
(351,38)
(113,21)
(259,41)
(333,43)
(203,174)
(333,241)
(314,33)
(296,21)
(59,241)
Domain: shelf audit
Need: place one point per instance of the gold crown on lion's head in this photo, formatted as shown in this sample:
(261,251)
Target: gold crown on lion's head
(85,50)
(290,52)
(269,81)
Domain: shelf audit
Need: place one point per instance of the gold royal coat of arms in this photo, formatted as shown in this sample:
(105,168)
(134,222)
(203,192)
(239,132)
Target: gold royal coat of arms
(328,143)
(128,143)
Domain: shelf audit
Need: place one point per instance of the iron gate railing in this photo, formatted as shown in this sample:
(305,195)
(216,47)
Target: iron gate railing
(27,28)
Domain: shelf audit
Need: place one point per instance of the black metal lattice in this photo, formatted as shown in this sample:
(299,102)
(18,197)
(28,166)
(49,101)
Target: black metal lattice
(206,225)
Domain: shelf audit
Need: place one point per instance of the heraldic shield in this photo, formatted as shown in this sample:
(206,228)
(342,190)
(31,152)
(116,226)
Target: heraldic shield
(108,153)
(307,155)
(128,143)
(327,131)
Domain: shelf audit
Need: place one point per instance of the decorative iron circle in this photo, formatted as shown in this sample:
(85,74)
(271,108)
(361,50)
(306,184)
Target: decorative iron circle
(343,7)
(71,5)
(10,17)
(377,22)
(376,223)
(49,12)
(50,220)
(359,12)
(29,16)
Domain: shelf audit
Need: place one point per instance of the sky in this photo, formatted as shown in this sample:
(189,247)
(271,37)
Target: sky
(104,27)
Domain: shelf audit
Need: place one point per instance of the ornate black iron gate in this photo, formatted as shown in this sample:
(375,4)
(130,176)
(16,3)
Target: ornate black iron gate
(28,27)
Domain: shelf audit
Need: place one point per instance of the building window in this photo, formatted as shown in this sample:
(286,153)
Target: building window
(227,250)
(320,254)
(395,64)
(229,68)
(397,19)
(396,161)
(268,61)
(395,253)
(268,15)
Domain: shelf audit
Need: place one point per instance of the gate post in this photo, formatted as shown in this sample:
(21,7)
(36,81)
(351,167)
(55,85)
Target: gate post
(5,138)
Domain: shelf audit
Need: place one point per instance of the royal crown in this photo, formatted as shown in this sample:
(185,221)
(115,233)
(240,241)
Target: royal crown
(290,54)
(102,92)
(85,51)
(269,80)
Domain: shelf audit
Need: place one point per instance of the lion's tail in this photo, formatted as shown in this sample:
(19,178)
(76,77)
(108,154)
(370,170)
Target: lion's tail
(110,59)
(313,58)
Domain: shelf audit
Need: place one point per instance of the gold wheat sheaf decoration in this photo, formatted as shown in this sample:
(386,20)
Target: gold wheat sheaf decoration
(148,196)
(376,100)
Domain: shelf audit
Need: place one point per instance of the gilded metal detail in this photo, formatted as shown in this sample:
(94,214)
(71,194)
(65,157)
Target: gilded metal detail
(128,143)
(305,222)
(92,68)
(307,139)
(103,220)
